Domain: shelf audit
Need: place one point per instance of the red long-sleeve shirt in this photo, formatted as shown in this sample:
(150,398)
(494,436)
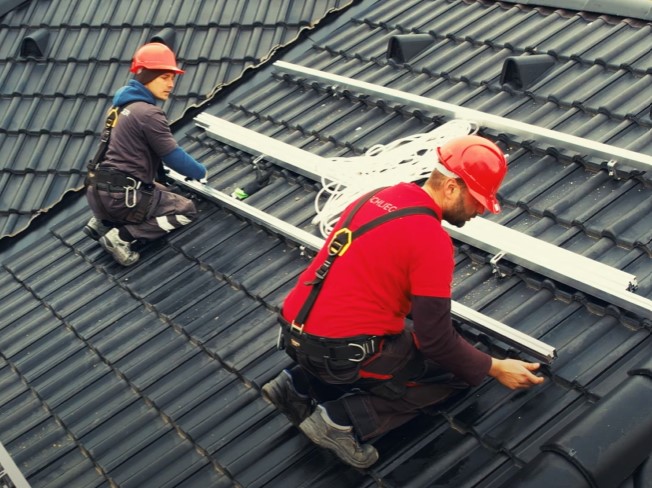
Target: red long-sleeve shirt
(403,265)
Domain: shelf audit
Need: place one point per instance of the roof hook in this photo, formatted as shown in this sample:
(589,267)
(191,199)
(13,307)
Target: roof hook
(495,269)
(263,173)
(611,168)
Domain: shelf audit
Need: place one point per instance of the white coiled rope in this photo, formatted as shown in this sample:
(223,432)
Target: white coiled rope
(404,160)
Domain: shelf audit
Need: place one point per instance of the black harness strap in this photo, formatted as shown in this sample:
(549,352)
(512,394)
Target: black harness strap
(340,242)
(109,124)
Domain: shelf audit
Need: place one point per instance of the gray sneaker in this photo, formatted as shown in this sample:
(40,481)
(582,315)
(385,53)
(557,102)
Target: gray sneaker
(95,229)
(120,249)
(280,392)
(338,438)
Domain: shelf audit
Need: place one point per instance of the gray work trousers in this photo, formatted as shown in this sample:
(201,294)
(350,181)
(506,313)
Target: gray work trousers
(166,211)
(376,406)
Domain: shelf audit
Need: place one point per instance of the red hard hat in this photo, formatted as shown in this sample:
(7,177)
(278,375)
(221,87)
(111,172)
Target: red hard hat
(154,55)
(480,163)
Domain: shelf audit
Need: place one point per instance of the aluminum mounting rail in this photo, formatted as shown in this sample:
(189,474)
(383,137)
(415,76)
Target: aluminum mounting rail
(312,165)
(585,274)
(493,328)
(10,474)
(612,154)
(255,215)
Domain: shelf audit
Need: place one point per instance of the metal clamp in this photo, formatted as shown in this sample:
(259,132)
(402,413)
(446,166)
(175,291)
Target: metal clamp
(495,269)
(257,160)
(633,285)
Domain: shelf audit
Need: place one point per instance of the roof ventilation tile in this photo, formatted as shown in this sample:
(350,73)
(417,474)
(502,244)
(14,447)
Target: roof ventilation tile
(402,48)
(521,72)
(166,36)
(35,45)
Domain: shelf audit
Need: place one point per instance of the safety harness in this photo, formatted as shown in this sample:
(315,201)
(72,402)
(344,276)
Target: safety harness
(112,180)
(109,124)
(355,349)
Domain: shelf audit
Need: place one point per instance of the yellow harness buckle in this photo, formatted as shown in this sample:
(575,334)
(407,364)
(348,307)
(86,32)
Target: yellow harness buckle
(340,242)
(112,117)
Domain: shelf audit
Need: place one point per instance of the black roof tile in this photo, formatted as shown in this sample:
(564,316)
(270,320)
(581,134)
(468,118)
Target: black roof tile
(39,455)
(20,414)
(59,99)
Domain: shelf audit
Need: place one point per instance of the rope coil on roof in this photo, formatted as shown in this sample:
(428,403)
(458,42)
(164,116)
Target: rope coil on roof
(408,159)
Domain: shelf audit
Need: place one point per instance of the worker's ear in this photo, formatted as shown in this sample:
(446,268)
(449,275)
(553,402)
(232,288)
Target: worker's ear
(451,187)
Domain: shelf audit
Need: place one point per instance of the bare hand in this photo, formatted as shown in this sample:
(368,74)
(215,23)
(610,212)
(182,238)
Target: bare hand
(515,374)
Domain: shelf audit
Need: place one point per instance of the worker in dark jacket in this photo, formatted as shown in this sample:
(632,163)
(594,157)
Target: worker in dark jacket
(360,371)
(127,203)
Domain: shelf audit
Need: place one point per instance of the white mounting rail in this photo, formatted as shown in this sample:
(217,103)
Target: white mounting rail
(541,135)
(567,267)
(9,472)
(534,347)
(590,276)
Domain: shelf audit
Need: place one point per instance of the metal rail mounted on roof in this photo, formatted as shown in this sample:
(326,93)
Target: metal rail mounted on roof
(10,475)
(493,328)
(612,154)
(582,273)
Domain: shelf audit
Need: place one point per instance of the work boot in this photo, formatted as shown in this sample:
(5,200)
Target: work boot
(120,249)
(95,229)
(281,393)
(340,439)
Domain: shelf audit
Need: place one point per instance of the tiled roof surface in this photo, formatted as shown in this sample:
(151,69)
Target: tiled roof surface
(150,376)
(52,102)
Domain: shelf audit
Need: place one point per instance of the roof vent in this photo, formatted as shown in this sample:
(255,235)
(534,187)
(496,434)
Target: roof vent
(35,45)
(521,72)
(402,48)
(166,36)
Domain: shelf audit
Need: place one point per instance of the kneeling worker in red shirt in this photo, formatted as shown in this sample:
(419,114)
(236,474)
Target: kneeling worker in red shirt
(360,371)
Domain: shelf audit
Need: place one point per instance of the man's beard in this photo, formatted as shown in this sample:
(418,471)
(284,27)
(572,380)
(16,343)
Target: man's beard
(457,216)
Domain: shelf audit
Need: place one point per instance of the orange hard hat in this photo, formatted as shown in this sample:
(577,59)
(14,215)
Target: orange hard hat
(481,165)
(156,56)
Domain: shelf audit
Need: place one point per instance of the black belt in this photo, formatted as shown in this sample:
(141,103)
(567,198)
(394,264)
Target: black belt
(355,349)
(113,180)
